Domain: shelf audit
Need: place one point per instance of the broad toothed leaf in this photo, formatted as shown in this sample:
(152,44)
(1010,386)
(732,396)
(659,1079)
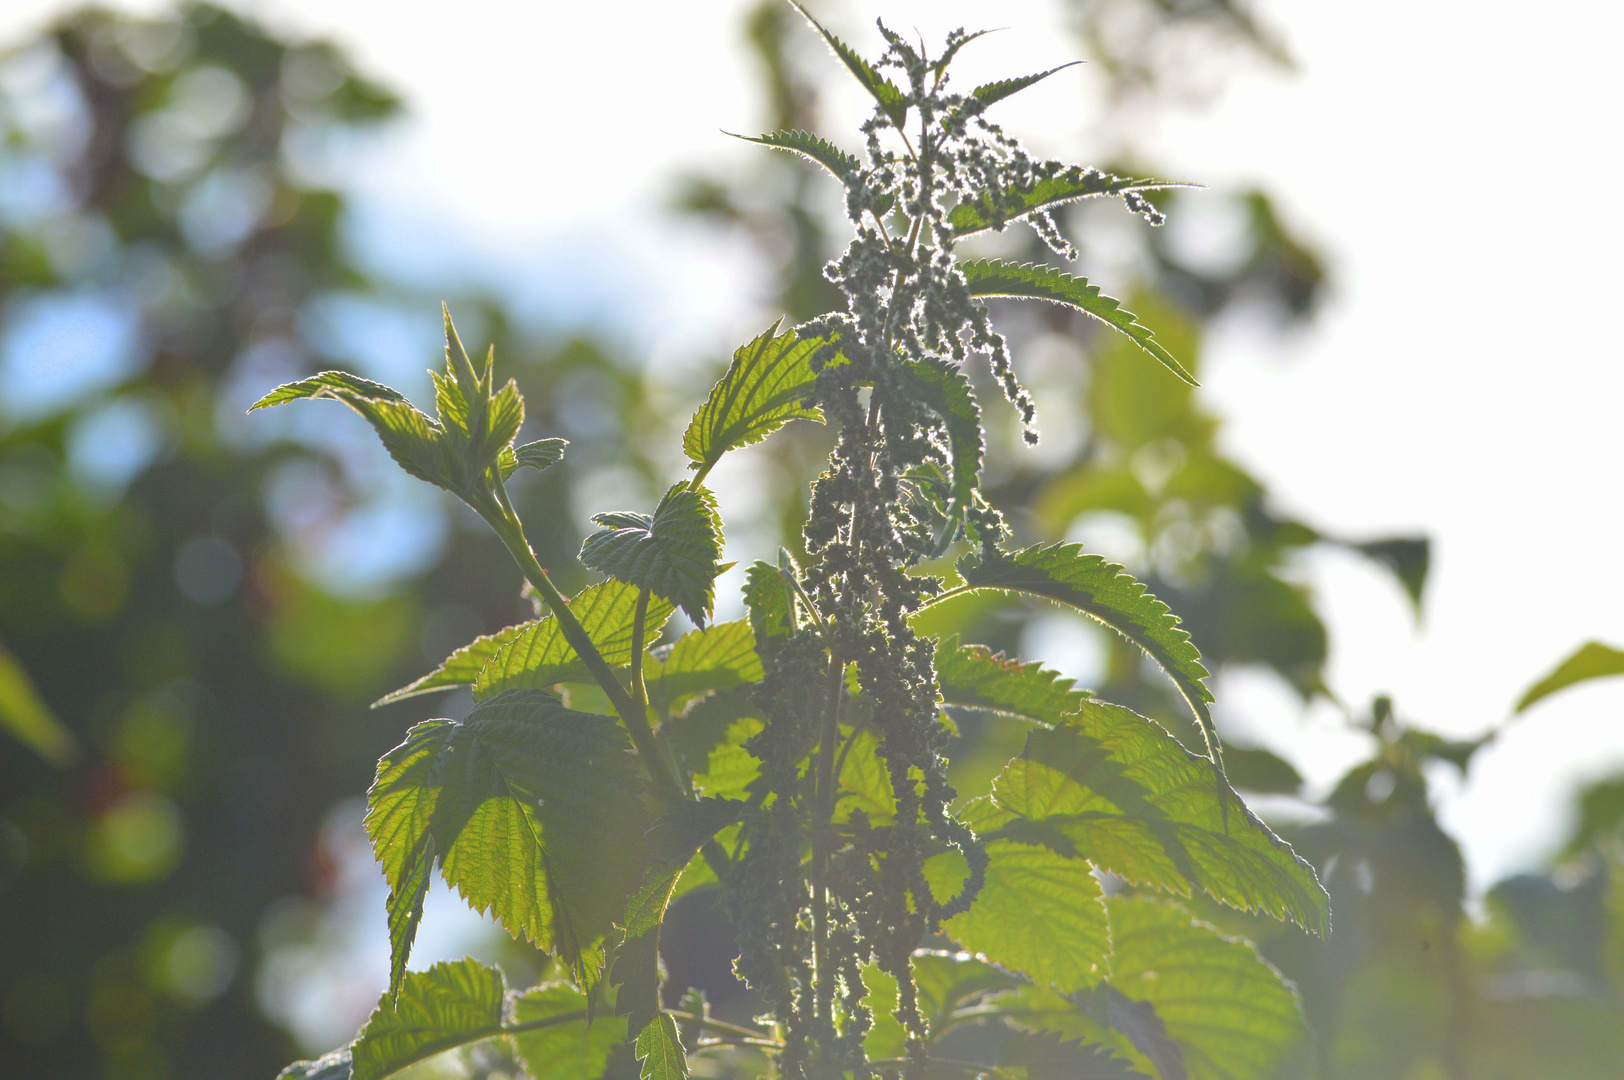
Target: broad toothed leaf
(1231,1014)
(818,150)
(557,1039)
(764,388)
(947,392)
(404,906)
(944,983)
(1115,788)
(882,89)
(449,1005)
(719,657)
(538,657)
(1034,281)
(533,812)
(1102,590)
(1003,88)
(659,1048)
(1592,660)
(1045,1055)
(1039,912)
(538,455)
(418,444)
(675,554)
(333,1066)
(994,210)
(461,668)
(974,677)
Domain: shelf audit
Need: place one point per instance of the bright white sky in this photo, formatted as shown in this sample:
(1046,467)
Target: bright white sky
(1463,382)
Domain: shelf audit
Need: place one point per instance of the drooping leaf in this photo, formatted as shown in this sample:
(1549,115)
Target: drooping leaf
(1047,1056)
(538,455)
(883,90)
(1039,912)
(418,444)
(815,149)
(946,391)
(534,813)
(449,1005)
(1408,557)
(659,1048)
(1142,1027)
(763,389)
(556,1039)
(1232,1014)
(461,668)
(1592,660)
(1117,789)
(718,657)
(26,716)
(974,677)
(988,93)
(1252,768)
(675,554)
(992,210)
(1104,591)
(539,657)
(1035,281)
(404,906)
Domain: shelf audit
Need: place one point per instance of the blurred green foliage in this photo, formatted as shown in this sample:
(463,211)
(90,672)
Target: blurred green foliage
(164,190)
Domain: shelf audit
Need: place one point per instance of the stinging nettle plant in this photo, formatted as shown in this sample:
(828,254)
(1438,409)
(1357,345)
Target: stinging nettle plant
(794,759)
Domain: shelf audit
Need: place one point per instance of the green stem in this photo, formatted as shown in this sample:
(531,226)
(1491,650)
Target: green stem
(823,811)
(722,1027)
(639,633)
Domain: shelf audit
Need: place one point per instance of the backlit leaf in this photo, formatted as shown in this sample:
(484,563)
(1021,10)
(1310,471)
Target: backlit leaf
(882,89)
(1592,660)
(461,668)
(1047,1056)
(1035,281)
(764,388)
(539,657)
(718,657)
(813,148)
(974,677)
(533,812)
(943,388)
(1003,88)
(675,554)
(333,1066)
(449,1005)
(538,455)
(555,1038)
(993,210)
(1117,789)
(660,1050)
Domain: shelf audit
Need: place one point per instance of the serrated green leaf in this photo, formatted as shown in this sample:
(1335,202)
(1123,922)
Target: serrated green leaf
(404,906)
(26,716)
(1035,281)
(883,90)
(992,210)
(730,769)
(461,668)
(659,1048)
(1592,660)
(1039,912)
(555,1038)
(418,444)
(944,982)
(988,93)
(1117,789)
(675,554)
(1229,1011)
(539,657)
(538,455)
(764,388)
(1105,592)
(815,149)
(715,658)
(534,813)
(975,677)
(767,600)
(1045,1055)
(945,390)
(449,1005)
(865,781)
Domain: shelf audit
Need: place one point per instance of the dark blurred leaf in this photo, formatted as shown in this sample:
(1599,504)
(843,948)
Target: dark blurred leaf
(26,716)
(1252,768)
(1046,1056)
(1407,557)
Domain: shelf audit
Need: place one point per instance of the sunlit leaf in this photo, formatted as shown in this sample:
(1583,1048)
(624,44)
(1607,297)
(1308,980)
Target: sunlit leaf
(333,1066)
(555,1038)
(764,388)
(1103,591)
(539,656)
(533,812)
(988,93)
(1117,789)
(1047,1056)
(718,657)
(659,1048)
(815,149)
(974,677)
(675,554)
(993,210)
(946,391)
(538,455)
(461,668)
(1592,660)
(1035,281)
(890,99)
(449,1005)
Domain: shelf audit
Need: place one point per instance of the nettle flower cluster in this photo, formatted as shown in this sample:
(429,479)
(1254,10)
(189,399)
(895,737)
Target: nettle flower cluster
(794,759)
